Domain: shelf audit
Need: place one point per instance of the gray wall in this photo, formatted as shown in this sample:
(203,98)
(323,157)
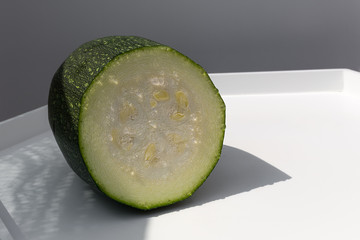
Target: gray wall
(222,36)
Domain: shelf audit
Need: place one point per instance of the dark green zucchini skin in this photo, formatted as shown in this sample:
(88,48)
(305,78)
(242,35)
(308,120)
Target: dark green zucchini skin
(68,86)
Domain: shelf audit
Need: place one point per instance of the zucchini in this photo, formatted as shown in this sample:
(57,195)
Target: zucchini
(137,120)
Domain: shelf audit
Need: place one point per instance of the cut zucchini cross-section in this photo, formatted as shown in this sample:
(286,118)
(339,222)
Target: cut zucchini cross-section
(146,129)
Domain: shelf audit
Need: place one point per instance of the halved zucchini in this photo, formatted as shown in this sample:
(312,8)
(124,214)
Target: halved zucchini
(137,120)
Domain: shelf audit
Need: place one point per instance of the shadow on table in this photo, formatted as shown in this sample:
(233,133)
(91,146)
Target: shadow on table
(48,201)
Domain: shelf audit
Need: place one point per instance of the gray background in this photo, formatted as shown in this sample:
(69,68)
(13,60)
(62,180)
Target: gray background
(222,36)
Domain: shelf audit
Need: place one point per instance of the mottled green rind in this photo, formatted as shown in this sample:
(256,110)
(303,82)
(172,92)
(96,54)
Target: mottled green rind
(70,83)
(68,86)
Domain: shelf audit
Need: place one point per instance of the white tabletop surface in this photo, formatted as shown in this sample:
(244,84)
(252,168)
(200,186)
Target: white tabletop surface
(289,170)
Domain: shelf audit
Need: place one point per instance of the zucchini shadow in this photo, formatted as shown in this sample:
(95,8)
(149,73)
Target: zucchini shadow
(48,201)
